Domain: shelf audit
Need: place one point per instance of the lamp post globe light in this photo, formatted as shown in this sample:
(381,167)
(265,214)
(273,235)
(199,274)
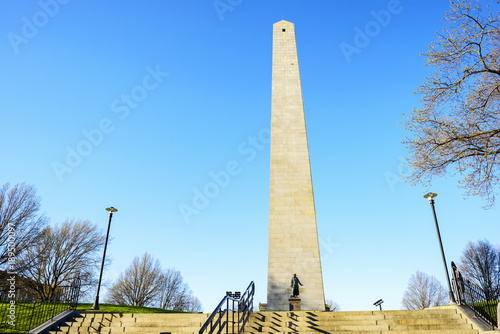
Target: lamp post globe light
(430,196)
(96,302)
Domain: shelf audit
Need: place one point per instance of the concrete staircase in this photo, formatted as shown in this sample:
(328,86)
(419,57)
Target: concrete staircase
(90,322)
(429,321)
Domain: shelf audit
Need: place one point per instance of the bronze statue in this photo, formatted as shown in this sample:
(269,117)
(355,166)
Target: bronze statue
(295,286)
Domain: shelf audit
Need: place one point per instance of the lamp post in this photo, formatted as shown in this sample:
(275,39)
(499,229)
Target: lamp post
(96,302)
(379,303)
(430,196)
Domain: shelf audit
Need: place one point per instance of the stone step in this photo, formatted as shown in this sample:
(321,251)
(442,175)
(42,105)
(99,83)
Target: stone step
(411,312)
(172,329)
(159,329)
(146,325)
(125,316)
(431,327)
(421,316)
(109,331)
(169,315)
(440,331)
(423,321)
(358,313)
(335,327)
(318,329)
(357,316)
(442,321)
(432,331)
(117,320)
(430,321)
(160,322)
(366,322)
(93,318)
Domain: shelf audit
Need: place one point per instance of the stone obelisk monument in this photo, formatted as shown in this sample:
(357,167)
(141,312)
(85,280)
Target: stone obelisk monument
(293,235)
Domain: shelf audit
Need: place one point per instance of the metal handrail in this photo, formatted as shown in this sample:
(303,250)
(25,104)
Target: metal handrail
(67,298)
(472,296)
(28,307)
(244,305)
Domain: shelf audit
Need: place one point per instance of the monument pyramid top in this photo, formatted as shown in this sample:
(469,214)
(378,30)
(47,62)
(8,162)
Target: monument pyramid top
(284,22)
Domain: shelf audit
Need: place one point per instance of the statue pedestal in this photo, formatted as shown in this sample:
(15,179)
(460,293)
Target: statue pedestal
(294,304)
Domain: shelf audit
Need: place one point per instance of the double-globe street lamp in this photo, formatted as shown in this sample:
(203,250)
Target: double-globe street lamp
(430,196)
(96,302)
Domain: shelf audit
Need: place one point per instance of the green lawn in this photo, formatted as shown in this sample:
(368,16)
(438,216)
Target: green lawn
(39,317)
(23,315)
(483,306)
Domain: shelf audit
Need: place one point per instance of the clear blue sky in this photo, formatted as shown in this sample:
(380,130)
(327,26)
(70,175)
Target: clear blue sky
(134,104)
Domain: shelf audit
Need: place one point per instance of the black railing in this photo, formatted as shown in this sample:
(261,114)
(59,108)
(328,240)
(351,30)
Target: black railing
(232,314)
(21,310)
(467,293)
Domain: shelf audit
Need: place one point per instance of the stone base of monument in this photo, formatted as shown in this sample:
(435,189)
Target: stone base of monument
(294,304)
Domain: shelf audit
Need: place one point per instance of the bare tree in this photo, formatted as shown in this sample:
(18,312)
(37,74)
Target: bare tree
(194,305)
(20,222)
(144,283)
(174,293)
(139,285)
(61,254)
(423,291)
(334,307)
(480,263)
(457,128)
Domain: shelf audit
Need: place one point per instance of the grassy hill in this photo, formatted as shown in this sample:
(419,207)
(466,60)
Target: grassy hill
(40,316)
